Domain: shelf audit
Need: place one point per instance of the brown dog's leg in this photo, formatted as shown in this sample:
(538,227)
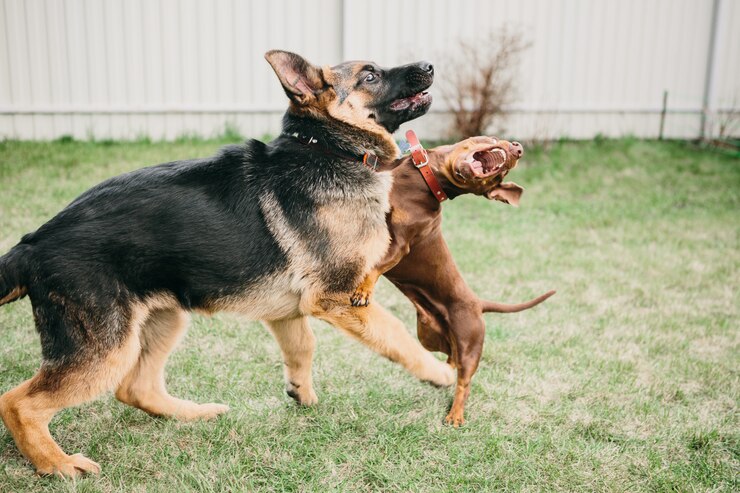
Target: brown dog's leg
(363,293)
(27,409)
(396,251)
(467,351)
(386,335)
(297,344)
(456,416)
(144,386)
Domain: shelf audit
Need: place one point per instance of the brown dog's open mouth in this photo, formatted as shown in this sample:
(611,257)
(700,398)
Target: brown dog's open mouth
(422,98)
(483,164)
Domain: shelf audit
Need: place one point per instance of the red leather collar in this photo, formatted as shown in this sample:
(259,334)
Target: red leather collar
(421,161)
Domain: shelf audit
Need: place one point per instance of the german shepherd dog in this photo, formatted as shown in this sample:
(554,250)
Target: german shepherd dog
(276,231)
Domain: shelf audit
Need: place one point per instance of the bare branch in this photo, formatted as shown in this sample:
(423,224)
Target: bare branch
(480,79)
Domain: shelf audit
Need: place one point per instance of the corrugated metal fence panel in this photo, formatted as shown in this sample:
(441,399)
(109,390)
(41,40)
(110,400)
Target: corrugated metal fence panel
(166,68)
(157,68)
(729,55)
(727,66)
(592,67)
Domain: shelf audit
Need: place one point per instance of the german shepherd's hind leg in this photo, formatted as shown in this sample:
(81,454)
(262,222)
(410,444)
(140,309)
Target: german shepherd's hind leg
(386,335)
(144,386)
(27,409)
(297,344)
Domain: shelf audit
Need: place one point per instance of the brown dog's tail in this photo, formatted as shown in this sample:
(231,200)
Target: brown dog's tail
(494,307)
(13,283)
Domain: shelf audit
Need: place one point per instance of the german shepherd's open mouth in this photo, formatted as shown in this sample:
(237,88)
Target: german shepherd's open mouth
(419,100)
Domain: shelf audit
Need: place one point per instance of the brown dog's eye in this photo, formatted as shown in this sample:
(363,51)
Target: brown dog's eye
(370,77)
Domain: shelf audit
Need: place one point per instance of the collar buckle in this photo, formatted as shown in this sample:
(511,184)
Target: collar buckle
(419,156)
(371,161)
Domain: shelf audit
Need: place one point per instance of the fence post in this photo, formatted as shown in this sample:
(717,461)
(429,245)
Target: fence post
(662,114)
(707,100)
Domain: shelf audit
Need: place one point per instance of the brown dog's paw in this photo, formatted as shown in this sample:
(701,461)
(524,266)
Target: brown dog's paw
(363,292)
(360,297)
(455,419)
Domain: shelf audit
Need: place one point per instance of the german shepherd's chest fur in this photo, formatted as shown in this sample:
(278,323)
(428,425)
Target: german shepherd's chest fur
(328,219)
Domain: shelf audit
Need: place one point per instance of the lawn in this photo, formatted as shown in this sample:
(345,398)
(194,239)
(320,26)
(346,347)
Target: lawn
(626,380)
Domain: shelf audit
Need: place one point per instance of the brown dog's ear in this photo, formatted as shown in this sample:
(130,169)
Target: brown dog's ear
(301,80)
(507,192)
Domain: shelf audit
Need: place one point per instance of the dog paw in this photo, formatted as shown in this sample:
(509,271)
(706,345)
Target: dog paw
(211,410)
(302,397)
(195,412)
(70,467)
(455,419)
(360,298)
(440,374)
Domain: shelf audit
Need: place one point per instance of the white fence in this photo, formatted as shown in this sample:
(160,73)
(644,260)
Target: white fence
(166,68)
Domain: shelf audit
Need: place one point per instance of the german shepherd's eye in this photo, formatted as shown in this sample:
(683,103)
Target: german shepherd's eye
(370,77)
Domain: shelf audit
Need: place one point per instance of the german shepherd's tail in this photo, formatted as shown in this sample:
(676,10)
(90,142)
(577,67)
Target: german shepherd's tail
(494,307)
(13,275)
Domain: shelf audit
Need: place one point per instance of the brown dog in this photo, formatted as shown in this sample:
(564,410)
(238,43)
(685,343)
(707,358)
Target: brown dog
(418,262)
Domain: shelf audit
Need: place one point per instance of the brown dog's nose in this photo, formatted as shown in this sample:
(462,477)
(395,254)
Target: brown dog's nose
(516,149)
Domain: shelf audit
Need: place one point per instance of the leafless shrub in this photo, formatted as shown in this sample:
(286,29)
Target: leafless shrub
(724,127)
(480,81)
(728,123)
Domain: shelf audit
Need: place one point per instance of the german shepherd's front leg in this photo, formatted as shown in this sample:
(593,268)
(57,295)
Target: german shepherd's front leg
(387,336)
(297,344)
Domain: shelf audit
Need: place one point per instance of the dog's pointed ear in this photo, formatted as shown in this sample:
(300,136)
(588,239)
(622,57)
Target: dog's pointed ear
(301,80)
(507,192)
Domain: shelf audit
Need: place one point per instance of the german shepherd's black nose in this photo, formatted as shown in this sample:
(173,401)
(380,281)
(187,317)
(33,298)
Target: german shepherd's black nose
(427,67)
(418,76)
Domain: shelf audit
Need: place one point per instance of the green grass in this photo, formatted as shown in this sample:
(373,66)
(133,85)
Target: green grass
(626,380)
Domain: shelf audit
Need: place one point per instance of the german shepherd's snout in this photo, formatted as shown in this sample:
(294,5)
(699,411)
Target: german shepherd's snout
(407,94)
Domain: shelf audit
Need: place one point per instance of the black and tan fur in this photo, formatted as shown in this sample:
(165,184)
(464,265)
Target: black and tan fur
(274,231)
